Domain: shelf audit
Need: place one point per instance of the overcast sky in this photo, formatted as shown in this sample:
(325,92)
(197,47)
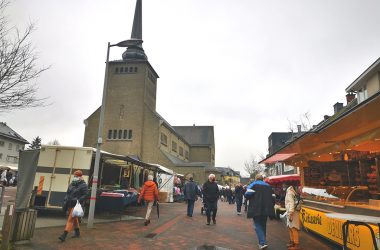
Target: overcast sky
(244,66)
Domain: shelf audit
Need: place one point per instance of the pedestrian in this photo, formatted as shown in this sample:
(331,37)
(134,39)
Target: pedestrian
(229,194)
(239,198)
(190,192)
(245,201)
(210,197)
(77,191)
(261,205)
(3,178)
(149,193)
(292,216)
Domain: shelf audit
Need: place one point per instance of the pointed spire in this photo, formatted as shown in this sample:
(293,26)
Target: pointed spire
(135,49)
(137,22)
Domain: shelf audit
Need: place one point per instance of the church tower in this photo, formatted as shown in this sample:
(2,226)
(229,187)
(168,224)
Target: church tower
(131,92)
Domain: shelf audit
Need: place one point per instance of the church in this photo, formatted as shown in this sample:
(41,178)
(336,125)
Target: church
(132,125)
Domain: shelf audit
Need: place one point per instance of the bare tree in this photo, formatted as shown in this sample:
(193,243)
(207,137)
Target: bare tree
(303,121)
(54,142)
(252,166)
(18,66)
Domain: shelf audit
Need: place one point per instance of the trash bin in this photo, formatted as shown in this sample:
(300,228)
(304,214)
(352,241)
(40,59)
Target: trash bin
(24,225)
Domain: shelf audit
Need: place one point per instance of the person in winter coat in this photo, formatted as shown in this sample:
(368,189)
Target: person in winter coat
(210,197)
(190,192)
(239,197)
(77,191)
(149,193)
(292,217)
(261,205)
(229,194)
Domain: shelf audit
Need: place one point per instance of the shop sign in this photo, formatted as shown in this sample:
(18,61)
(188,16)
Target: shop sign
(359,237)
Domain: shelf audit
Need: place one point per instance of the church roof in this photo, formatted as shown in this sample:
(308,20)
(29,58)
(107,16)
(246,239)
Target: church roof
(9,133)
(197,135)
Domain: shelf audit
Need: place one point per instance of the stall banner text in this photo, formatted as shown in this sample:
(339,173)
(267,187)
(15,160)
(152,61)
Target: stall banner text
(359,237)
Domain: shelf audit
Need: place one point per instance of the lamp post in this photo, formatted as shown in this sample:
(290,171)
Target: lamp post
(94,185)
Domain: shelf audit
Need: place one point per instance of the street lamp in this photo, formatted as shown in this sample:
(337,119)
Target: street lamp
(94,185)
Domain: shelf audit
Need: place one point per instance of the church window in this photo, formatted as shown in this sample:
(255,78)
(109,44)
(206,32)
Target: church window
(110,134)
(130,134)
(115,134)
(164,139)
(121,70)
(120,134)
(116,70)
(174,146)
(135,69)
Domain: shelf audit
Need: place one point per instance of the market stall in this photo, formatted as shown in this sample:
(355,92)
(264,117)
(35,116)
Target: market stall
(339,164)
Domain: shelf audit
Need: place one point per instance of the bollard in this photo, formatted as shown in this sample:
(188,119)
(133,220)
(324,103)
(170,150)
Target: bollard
(2,196)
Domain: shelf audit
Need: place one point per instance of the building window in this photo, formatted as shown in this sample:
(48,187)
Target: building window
(126,69)
(135,69)
(125,134)
(12,159)
(10,146)
(174,146)
(130,69)
(120,134)
(2,143)
(17,148)
(186,154)
(130,134)
(114,134)
(110,134)
(180,149)
(164,139)
(116,70)
(121,70)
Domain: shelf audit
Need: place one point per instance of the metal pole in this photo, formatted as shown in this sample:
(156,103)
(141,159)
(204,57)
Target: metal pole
(94,186)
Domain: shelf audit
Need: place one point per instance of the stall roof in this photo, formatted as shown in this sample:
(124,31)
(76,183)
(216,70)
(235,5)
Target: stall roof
(355,129)
(277,157)
(272,180)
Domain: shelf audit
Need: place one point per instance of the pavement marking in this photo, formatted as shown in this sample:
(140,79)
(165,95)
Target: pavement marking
(167,225)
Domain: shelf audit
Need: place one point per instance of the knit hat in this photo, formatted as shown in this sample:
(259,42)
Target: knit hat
(78,173)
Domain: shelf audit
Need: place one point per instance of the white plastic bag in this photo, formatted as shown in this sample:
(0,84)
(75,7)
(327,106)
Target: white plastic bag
(77,211)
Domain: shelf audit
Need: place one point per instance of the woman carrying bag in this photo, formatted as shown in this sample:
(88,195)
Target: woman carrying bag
(293,222)
(76,193)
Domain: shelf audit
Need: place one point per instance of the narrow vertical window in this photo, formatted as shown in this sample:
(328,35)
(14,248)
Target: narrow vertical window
(110,134)
(130,134)
(130,69)
(116,70)
(125,134)
(121,70)
(120,134)
(126,69)
(115,134)
(135,69)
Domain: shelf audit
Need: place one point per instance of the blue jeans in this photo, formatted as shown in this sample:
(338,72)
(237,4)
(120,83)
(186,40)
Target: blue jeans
(190,207)
(260,223)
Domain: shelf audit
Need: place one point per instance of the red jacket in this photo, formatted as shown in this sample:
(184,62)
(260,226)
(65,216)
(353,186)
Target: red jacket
(149,192)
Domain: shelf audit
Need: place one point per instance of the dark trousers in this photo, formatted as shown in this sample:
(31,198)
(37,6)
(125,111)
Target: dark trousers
(239,202)
(190,207)
(229,199)
(211,206)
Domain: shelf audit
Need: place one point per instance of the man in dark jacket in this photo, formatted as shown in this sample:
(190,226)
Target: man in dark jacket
(210,197)
(261,205)
(77,191)
(190,191)
(239,197)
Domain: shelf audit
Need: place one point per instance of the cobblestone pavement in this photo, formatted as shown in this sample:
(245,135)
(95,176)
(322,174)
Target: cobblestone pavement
(173,230)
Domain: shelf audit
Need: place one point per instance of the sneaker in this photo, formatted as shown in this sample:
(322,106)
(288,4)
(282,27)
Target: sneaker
(238,213)
(263,246)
